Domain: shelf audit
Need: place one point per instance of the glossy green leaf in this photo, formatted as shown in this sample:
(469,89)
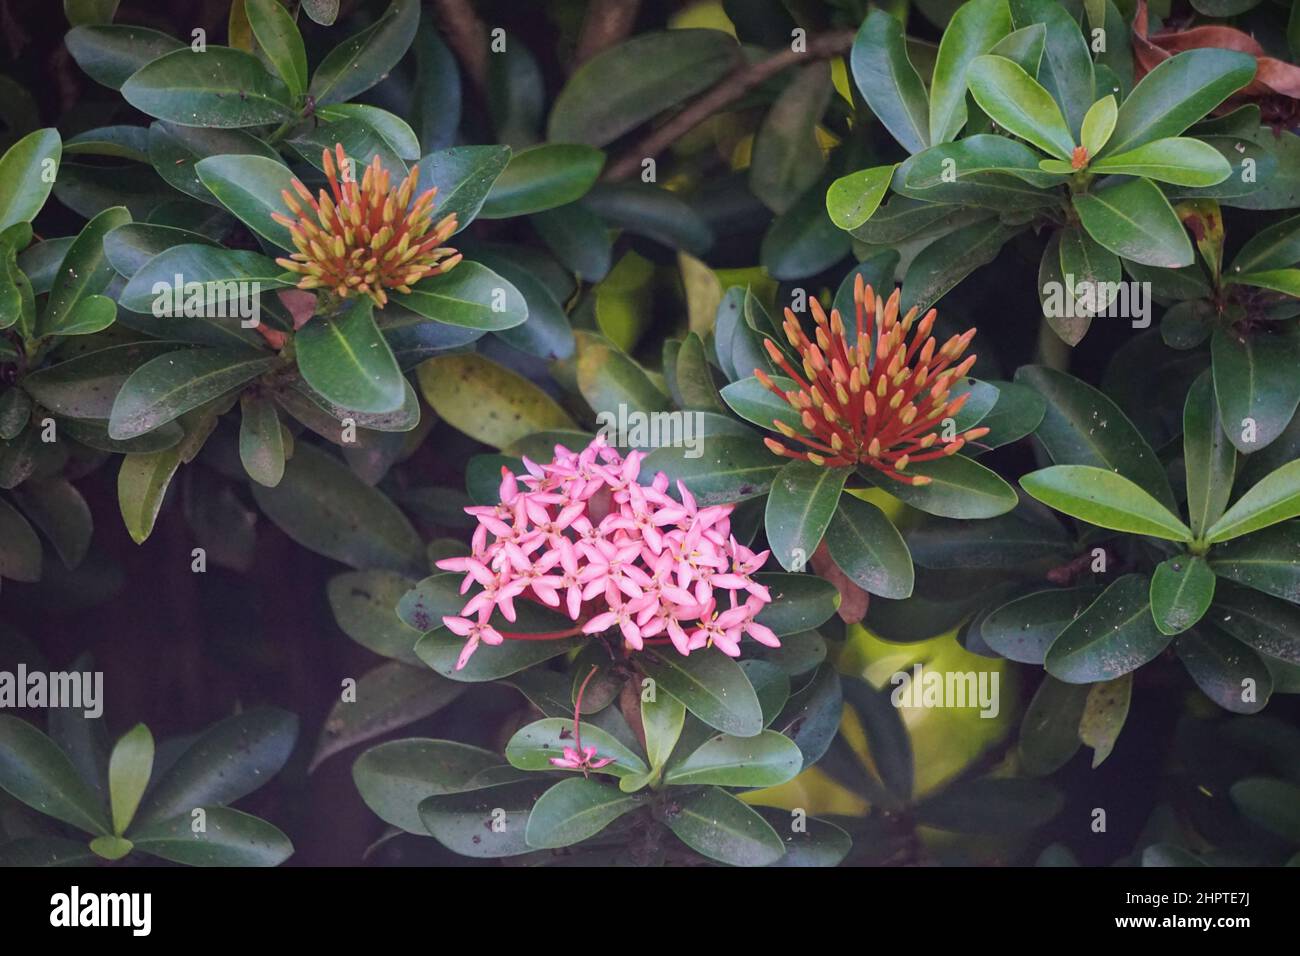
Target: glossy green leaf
(711,685)
(1229,673)
(84,274)
(129,769)
(622,87)
(800,602)
(1209,459)
(1134,220)
(800,505)
(229,838)
(58,509)
(1018,104)
(470,295)
(716,825)
(278,37)
(1267,560)
(35,771)
(1082,426)
(1181,591)
(575,810)
(27,171)
(888,81)
(110,53)
(1104,716)
(958,488)
(543,177)
(785,155)
(487,401)
(1275,498)
(1261,622)
(326,508)
(142,483)
(974,29)
(485,822)
(250,187)
(763,761)
(1256,386)
(1023,629)
(441,650)
(1176,159)
(1105,499)
(868,548)
(343,356)
(1066,70)
(1049,731)
(366,57)
(226,279)
(261,440)
(1098,124)
(166,387)
(229,760)
(394,777)
(218,87)
(662,719)
(1116,634)
(533,746)
(464,177)
(1177,93)
(730,469)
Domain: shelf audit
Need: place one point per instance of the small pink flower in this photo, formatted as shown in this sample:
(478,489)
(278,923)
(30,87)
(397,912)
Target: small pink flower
(587,760)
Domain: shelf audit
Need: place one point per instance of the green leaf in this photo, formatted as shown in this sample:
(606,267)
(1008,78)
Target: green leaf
(1177,93)
(786,155)
(56,507)
(533,746)
(168,386)
(543,177)
(109,53)
(390,696)
(278,37)
(84,274)
(1208,457)
(980,169)
(711,685)
(1176,159)
(868,548)
(219,87)
(229,760)
(227,278)
(250,187)
(1049,732)
(1286,281)
(974,29)
(1104,715)
(958,488)
(624,86)
(1093,272)
(1098,124)
(799,507)
(716,825)
(1082,426)
(470,295)
(27,171)
(1272,804)
(261,441)
(463,176)
(1134,220)
(651,211)
(662,718)
(851,200)
(1261,622)
(992,806)
(800,602)
(229,838)
(142,483)
(35,771)
(1181,591)
(111,847)
(485,822)
(1105,499)
(888,81)
(441,649)
(1115,635)
(575,810)
(1017,103)
(129,769)
(729,470)
(364,605)
(367,57)
(17,297)
(725,761)
(1276,247)
(814,843)
(1023,629)
(803,241)
(1230,674)
(344,358)
(1275,498)
(1024,47)
(487,401)
(1268,560)
(1066,70)
(393,778)
(130,246)
(1256,386)
(945,262)
(326,508)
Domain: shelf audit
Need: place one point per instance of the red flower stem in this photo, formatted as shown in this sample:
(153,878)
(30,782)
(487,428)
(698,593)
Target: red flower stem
(577,711)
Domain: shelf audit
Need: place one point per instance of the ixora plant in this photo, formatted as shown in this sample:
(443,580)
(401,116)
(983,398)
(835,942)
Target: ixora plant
(729,433)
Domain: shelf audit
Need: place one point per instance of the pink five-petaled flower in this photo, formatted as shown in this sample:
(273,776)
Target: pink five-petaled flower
(579,757)
(584,535)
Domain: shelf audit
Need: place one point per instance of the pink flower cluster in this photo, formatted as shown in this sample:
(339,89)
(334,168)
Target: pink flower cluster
(584,534)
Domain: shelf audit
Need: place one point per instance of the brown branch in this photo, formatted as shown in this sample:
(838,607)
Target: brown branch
(467,36)
(737,84)
(607,23)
